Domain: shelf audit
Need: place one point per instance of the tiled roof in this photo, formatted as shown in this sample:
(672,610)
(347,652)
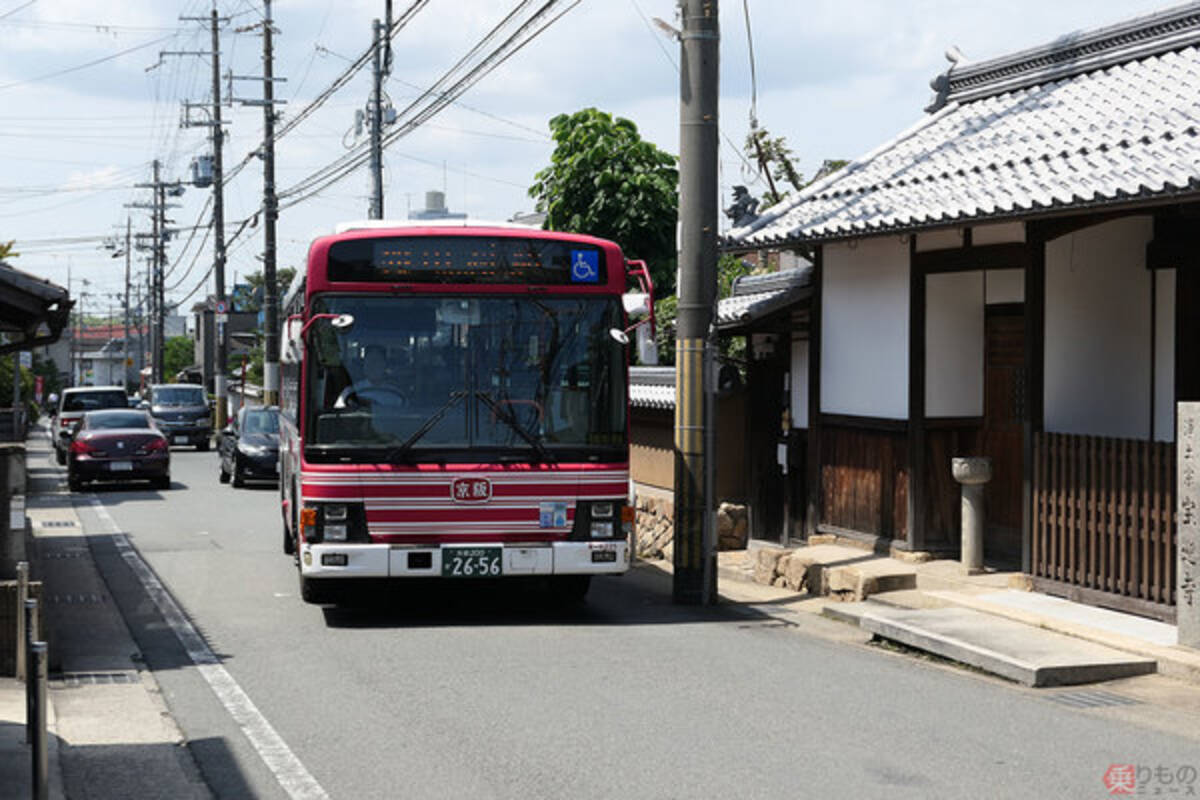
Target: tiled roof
(1090,120)
(756,296)
(652,387)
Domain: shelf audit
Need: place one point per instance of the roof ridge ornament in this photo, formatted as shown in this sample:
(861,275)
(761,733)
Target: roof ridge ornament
(941,83)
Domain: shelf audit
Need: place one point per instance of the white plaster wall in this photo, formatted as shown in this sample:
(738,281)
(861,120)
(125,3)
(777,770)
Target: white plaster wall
(946,239)
(1005,286)
(864,328)
(1164,357)
(799,383)
(954,344)
(1098,331)
(998,233)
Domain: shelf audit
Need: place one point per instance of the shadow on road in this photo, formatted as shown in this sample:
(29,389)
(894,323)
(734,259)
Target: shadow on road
(641,597)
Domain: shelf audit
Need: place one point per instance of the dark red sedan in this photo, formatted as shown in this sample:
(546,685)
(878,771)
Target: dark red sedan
(118,445)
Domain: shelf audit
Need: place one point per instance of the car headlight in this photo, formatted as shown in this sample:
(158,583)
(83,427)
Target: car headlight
(252,449)
(203,422)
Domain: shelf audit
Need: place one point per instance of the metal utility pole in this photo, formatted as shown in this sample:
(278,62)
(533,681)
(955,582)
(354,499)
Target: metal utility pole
(695,559)
(218,135)
(270,210)
(376,163)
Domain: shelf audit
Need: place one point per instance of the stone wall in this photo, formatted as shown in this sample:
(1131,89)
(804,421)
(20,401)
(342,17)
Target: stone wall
(655,523)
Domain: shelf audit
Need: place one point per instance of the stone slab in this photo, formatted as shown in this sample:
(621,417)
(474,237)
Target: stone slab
(1149,630)
(1002,647)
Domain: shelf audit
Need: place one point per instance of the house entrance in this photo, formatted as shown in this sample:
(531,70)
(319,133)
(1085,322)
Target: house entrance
(1004,410)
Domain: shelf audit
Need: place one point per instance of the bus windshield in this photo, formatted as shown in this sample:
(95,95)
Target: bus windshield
(434,378)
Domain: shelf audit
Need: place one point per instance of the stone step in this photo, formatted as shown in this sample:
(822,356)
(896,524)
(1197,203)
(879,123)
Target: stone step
(846,572)
(1021,653)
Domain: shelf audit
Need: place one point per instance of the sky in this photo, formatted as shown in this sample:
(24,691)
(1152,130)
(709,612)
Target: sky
(88,103)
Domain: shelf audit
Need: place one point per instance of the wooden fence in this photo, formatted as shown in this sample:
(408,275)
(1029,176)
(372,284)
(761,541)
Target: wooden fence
(1104,519)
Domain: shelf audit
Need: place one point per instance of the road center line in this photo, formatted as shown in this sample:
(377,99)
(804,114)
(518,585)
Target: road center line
(279,758)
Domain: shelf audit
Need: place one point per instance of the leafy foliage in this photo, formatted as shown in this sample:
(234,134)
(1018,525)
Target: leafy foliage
(774,158)
(179,352)
(606,181)
(6,250)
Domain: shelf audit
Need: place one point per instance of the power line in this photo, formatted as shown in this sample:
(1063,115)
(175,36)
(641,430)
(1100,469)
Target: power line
(442,95)
(79,67)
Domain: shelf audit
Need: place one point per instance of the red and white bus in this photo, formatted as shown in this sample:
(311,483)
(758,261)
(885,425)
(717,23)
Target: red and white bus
(454,404)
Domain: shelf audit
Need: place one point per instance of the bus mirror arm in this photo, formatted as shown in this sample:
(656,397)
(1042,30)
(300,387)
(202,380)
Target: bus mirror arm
(339,321)
(644,303)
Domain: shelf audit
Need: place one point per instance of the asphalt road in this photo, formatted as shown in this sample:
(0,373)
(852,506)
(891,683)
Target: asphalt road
(464,691)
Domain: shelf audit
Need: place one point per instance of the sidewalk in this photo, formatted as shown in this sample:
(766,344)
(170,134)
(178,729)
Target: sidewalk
(110,732)
(935,607)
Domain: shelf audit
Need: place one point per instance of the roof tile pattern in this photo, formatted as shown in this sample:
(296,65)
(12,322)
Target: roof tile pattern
(1131,130)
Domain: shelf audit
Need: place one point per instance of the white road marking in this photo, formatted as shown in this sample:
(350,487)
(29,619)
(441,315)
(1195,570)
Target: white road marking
(279,758)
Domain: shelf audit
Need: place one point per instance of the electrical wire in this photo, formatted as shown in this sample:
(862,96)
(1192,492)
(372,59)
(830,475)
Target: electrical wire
(526,31)
(79,67)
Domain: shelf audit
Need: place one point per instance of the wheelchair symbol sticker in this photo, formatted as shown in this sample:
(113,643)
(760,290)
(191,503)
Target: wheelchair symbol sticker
(585,266)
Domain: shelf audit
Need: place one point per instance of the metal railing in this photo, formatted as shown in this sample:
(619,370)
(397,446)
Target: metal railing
(33,665)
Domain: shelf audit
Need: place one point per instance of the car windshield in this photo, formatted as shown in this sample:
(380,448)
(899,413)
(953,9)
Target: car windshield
(261,422)
(179,396)
(530,378)
(89,400)
(101,420)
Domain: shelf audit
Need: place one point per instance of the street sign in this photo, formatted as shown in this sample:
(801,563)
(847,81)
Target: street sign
(222,317)
(26,358)
(222,307)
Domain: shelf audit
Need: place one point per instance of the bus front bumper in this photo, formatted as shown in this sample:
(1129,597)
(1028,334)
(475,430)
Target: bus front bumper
(333,560)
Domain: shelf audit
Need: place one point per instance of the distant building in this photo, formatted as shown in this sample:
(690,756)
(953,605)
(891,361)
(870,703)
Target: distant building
(435,208)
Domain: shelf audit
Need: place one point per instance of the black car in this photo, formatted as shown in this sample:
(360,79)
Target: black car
(249,446)
(118,445)
(182,413)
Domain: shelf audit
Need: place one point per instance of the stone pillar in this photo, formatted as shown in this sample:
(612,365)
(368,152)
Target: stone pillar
(1187,500)
(972,473)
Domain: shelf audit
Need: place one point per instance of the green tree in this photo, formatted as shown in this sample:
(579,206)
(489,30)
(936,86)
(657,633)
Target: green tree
(6,250)
(606,181)
(283,279)
(178,352)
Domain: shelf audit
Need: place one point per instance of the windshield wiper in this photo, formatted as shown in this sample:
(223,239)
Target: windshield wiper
(510,420)
(395,452)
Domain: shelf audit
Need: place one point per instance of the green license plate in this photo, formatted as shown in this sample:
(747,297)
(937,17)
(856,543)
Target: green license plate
(471,562)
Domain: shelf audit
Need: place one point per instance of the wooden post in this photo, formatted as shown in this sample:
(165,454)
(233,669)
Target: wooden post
(918,487)
(1035,361)
(812,474)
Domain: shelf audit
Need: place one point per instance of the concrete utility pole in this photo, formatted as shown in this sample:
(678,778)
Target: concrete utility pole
(125,340)
(220,388)
(376,163)
(154,280)
(270,209)
(270,214)
(695,560)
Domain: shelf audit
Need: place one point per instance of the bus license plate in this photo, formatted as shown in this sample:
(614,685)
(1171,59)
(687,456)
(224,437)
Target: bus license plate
(471,562)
